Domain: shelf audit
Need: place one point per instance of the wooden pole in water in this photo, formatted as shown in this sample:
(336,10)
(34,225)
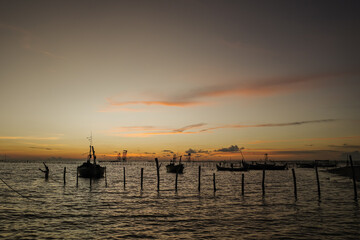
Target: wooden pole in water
(90,181)
(124,179)
(294,178)
(105,178)
(142,174)
(64,176)
(158,174)
(176,180)
(199,178)
(353,176)
(318,181)
(263,183)
(214,182)
(77,177)
(242,184)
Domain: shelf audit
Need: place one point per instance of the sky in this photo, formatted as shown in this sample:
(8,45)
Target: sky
(157,78)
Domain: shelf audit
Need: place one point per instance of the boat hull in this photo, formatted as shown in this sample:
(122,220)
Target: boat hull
(172,168)
(90,170)
(264,166)
(231,169)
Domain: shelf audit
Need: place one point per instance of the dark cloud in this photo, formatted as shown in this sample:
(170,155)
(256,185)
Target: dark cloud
(232,148)
(345,146)
(191,151)
(189,127)
(168,151)
(42,148)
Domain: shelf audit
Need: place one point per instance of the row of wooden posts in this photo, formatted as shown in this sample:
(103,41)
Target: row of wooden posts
(214,182)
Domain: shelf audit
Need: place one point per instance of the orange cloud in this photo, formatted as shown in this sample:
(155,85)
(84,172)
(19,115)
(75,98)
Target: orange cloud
(249,88)
(27,138)
(146,131)
(162,103)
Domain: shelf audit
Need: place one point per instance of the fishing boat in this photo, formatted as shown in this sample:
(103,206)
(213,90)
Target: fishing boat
(265,165)
(91,170)
(231,168)
(172,167)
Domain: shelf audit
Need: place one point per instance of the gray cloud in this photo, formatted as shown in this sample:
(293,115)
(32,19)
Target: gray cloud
(232,148)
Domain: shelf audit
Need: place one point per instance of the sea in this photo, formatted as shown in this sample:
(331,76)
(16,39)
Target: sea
(34,208)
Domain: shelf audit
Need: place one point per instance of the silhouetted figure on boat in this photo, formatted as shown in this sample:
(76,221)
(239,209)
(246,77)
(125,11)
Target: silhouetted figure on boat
(46,171)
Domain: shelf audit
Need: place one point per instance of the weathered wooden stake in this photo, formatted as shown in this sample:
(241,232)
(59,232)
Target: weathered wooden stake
(90,181)
(354,177)
(142,174)
(64,176)
(294,178)
(318,181)
(176,180)
(124,179)
(199,178)
(242,184)
(214,182)
(158,174)
(263,183)
(105,178)
(77,177)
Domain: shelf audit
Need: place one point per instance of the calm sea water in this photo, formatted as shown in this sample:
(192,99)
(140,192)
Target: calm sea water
(50,210)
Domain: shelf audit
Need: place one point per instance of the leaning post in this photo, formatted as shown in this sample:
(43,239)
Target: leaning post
(354,177)
(158,174)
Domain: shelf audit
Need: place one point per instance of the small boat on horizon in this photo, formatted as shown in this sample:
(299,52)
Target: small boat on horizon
(172,167)
(91,170)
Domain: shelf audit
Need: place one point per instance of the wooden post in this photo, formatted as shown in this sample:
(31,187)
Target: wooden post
(158,174)
(124,179)
(64,176)
(214,182)
(353,176)
(176,180)
(90,182)
(142,174)
(263,183)
(199,178)
(294,178)
(77,177)
(242,184)
(105,178)
(318,181)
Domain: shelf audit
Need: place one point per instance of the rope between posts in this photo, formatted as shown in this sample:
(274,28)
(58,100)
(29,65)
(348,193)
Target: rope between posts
(17,191)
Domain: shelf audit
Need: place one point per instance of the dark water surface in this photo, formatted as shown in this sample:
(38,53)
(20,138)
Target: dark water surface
(48,210)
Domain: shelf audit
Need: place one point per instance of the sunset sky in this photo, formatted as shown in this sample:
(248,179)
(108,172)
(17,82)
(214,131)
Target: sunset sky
(164,77)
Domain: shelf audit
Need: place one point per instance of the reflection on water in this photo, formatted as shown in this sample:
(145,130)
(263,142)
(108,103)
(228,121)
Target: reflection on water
(99,212)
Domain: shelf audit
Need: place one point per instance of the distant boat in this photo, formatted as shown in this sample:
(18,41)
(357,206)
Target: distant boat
(265,165)
(91,170)
(231,168)
(172,167)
